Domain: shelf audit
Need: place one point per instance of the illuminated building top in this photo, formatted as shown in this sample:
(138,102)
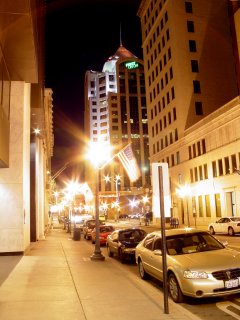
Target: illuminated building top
(121,53)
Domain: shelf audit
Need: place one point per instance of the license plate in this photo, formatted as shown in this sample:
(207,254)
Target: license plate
(231,283)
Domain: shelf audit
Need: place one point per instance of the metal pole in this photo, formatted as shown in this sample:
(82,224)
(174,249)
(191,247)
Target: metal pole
(164,253)
(117,198)
(188,214)
(97,255)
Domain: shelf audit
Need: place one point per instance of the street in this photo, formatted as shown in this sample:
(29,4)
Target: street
(215,308)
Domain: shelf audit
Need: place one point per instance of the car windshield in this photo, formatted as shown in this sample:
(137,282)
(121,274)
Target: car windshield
(106,229)
(137,235)
(191,243)
(235,219)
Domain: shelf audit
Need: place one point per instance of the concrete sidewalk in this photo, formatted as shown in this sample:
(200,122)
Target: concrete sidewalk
(57,280)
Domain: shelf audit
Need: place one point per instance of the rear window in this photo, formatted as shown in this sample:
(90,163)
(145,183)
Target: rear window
(138,235)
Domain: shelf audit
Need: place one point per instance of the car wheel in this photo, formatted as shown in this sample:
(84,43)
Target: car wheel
(231,231)
(174,289)
(110,254)
(211,230)
(121,256)
(141,270)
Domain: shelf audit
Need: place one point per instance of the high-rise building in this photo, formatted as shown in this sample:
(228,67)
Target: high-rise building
(115,112)
(191,63)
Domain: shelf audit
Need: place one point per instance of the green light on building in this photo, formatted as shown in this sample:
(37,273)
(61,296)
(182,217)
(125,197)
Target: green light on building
(131,65)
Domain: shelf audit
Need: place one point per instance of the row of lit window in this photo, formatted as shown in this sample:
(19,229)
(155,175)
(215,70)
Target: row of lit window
(194,63)
(155,73)
(154,17)
(170,96)
(161,44)
(173,160)
(96,132)
(225,166)
(220,167)
(163,123)
(102,80)
(197,149)
(199,173)
(206,198)
(154,10)
(165,142)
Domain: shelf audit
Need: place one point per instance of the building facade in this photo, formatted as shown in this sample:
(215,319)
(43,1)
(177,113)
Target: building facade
(115,112)
(191,62)
(23,172)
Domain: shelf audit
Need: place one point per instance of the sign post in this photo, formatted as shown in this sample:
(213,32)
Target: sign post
(162,207)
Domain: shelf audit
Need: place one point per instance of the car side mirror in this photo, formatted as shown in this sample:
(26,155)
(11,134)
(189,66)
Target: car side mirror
(225,243)
(158,252)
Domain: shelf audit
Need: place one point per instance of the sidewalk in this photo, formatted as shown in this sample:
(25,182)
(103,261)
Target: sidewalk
(57,280)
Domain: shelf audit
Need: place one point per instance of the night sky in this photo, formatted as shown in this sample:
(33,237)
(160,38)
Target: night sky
(80,36)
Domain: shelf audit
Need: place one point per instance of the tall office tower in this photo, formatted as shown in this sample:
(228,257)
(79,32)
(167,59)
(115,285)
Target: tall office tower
(190,76)
(189,65)
(115,112)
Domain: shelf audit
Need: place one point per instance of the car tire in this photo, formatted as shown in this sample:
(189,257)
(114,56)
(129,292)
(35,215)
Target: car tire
(110,254)
(174,289)
(211,230)
(231,231)
(121,256)
(142,272)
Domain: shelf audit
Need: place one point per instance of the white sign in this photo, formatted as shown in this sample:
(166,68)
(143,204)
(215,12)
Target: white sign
(156,191)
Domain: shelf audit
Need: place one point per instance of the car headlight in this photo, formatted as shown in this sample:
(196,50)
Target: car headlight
(188,274)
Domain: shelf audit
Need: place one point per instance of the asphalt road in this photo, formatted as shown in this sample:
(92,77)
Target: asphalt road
(227,308)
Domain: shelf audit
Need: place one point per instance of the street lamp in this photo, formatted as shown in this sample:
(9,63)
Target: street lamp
(133,204)
(99,154)
(185,191)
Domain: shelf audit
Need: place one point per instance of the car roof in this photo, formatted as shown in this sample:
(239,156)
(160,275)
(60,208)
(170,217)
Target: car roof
(130,229)
(179,231)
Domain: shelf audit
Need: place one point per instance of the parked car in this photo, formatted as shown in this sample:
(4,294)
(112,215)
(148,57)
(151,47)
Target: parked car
(104,231)
(87,228)
(123,242)
(79,220)
(198,265)
(227,225)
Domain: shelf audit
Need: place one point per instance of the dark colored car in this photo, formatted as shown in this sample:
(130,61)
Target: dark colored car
(123,242)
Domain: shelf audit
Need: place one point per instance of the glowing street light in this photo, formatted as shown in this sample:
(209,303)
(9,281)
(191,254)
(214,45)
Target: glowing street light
(99,154)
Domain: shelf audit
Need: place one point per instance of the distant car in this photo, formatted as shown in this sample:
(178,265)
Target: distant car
(227,225)
(104,231)
(123,242)
(79,220)
(87,228)
(198,265)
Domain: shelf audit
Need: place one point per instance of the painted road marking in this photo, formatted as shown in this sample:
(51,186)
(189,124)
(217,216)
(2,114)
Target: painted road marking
(230,307)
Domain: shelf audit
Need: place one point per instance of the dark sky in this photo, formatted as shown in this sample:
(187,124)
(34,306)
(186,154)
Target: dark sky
(80,36)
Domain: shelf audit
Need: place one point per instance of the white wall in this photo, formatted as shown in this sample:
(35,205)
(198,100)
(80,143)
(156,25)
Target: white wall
(14,181)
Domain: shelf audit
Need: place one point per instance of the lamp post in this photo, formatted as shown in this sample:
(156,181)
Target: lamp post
(185,191)
(102,150)
(116,203)
(97,255)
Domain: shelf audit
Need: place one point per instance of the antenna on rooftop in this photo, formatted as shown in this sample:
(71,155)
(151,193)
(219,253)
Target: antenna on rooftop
(120,34)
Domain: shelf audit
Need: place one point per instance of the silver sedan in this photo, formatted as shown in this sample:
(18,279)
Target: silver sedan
(198,265)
